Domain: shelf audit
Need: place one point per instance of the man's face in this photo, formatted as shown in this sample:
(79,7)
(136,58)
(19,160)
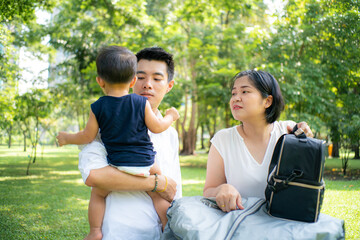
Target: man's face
(152,81)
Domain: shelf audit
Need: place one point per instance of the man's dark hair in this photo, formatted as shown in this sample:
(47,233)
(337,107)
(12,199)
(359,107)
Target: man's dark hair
(116,64)
(267,85)
(158,54)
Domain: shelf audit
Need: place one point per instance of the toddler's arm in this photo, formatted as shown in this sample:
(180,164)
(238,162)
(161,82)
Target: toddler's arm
(83,137)
(158,125)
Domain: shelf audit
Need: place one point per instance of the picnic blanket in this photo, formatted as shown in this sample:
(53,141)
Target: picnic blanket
(190,218)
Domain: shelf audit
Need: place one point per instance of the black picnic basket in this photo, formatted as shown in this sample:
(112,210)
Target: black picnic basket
(295,186)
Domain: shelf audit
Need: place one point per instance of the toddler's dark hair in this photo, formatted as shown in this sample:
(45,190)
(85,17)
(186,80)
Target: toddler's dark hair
(116,64)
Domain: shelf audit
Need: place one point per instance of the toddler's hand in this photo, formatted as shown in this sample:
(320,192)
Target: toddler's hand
(61,138)
(173,112)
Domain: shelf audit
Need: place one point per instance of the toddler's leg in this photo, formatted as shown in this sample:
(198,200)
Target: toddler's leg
(161,207)
(96,213)
(160,204)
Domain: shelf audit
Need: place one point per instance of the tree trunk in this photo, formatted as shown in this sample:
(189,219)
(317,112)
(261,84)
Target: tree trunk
(215,123)
(24,134)
(357,151)
(189,136)
(336,148)
(9,142)
(335,138)
(202,137)
(9,135)
(36,138)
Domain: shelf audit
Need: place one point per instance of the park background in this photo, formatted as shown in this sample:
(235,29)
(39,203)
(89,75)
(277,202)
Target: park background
(310,46)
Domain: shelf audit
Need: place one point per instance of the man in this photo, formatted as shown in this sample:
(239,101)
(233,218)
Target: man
(130,213)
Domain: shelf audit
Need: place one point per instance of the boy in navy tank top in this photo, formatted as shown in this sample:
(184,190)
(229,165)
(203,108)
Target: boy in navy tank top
(124,120)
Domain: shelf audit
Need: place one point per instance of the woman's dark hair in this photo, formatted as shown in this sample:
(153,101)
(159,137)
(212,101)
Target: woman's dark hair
(158,54)
(267,85)
(116,64)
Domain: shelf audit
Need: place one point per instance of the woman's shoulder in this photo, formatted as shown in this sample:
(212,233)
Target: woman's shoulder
(225,132)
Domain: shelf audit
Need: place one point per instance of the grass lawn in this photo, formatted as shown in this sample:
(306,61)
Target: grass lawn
(51,203)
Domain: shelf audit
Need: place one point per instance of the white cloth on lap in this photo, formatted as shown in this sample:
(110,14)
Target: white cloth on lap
(189,218)
(92,156)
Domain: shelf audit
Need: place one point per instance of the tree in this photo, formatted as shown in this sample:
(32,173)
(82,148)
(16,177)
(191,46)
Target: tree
(32,107)
(8,81)
(85,27)
(16,18)
(315,55)
(341,59)
(347,133)
(207,39)
(23,10)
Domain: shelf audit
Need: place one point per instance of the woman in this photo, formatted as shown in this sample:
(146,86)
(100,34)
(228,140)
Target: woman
(238,167)
(239,157)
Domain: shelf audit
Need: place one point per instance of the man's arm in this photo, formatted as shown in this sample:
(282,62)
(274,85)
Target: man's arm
(112,179)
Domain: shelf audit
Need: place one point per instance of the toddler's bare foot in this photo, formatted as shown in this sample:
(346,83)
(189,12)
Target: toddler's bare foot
(95,234)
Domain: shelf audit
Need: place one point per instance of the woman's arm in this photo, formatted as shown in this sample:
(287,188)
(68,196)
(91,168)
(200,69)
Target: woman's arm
(227,197)
(83,137)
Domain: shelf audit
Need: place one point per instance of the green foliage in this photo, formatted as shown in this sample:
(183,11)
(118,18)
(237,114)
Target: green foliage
(212,44)
(312,49)
(21,9)
(32,107)
(8,66)
(8,82)
(314,54)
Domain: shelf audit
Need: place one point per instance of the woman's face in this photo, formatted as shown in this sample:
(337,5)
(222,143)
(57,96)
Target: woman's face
(246,102)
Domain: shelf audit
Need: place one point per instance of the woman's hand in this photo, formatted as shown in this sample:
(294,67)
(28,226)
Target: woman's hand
(228,198)
(305,127)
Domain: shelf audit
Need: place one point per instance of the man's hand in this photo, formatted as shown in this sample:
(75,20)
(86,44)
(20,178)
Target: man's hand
(62,138)
(304,126)
(170,190)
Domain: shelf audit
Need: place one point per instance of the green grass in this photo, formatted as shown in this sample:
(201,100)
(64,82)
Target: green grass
(51,203)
